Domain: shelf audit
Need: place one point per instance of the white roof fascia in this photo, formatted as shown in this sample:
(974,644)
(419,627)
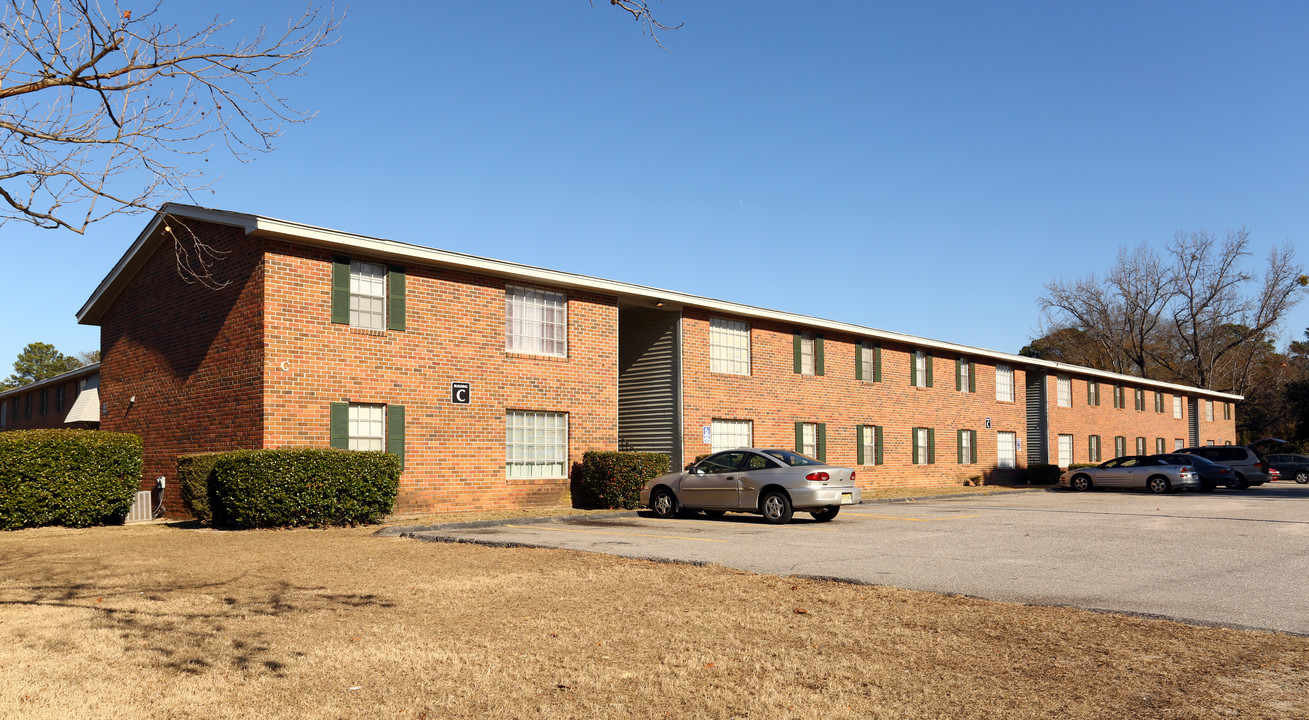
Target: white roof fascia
(61,377)
(390,249)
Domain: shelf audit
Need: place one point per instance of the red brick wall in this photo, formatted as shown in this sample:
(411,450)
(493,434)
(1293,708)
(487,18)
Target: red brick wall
(455,331)
(774,397)
(54,415)
(190,355)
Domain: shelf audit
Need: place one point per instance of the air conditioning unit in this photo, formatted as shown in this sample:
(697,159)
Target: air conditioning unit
(143,508)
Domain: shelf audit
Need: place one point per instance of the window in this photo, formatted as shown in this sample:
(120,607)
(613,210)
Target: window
(536,321)
(1158,402)
(1065,450)
(731,434)
(1178,444)
(59,399)
(869,444)
(1177,407)
(868,363)
(1209,442)
(965,376)
(1006,447)
(1227,411)
(1140,400)
(1120,446)
(1064,390)
(1093,448)
(4,414)
(536,444)
(1160,447)
(1004,383)
(1119,397)
(1209,410)
(27,406)
(367,295)
(924,446)
(920,369)
(45,403)
(1140,446)
(729,346)
(967,444)
(367,426)
(811,440)
(808,351)
(1092,392)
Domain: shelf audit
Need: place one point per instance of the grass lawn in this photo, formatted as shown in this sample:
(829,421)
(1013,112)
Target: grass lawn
(161,621)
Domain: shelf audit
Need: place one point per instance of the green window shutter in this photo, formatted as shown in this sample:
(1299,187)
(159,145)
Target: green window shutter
(972,446)
(859,361)
(795,348)
(799,437)
(339,425)
(931,445)
(913,442)
(821,441)
(877,444)
(395,432)
(958,374)
(913,368)
(395,291)
(859,444)
(959,445)
(341,290)
(927,359)
(877,363)
(972,376)
(818,355)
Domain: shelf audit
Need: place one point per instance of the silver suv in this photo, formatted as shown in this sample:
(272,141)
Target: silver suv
(1249,465)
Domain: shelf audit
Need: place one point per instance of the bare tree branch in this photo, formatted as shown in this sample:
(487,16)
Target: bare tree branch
(640,11)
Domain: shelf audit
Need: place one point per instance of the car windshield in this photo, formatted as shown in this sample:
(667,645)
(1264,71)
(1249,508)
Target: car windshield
(786,457)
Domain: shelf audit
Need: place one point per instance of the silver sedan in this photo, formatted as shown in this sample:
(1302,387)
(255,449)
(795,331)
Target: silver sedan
(769,482)
(1133,471)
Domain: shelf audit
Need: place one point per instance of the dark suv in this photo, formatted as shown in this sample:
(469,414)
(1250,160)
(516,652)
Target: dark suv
(1292,466)
(1249,465)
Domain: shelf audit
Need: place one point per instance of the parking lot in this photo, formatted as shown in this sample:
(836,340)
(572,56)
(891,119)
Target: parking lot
(1234,558)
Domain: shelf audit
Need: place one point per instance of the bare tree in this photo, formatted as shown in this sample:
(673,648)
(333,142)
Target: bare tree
(107,110)
(640,11)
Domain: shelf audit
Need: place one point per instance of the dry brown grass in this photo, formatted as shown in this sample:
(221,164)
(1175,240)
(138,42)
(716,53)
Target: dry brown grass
(161,622)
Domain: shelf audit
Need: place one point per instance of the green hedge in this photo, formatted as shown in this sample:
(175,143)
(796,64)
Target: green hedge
(193,473)
(1075,466)
(1042,474)
(67,477)
(614,479)
(290,487)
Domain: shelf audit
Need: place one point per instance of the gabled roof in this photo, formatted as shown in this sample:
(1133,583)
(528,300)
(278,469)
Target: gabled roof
(152,236)
(83,371)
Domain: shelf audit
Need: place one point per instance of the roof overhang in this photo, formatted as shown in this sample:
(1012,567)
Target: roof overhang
(83,371)
(627,293)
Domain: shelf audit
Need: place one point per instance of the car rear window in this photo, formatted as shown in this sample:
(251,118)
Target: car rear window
(791,458)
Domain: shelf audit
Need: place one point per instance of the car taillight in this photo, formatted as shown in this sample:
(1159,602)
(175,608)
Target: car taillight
(817,477)
(852,476)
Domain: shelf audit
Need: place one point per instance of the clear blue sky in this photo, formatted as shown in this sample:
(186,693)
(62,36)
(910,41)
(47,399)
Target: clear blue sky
(922,168)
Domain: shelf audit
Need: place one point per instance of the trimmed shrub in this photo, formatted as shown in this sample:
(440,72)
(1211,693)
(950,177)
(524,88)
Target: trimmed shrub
(193,473)
(1042,474)
(1074,466)
(67,477)
(290,487)
(612,479)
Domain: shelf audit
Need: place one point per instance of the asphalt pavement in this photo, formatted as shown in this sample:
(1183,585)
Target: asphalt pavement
(1232,558)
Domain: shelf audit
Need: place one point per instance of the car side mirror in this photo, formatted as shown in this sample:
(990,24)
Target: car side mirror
(698,471)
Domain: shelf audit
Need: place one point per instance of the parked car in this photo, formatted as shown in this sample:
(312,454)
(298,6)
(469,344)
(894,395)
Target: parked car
(770,482)
(1133,471)
(1250,466)
(1211,473)
(1291,466)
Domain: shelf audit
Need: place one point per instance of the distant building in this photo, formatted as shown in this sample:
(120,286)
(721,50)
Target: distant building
(67,400)
(491,378)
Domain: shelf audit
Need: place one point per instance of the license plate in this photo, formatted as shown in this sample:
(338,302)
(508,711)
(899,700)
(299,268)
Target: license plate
(847,498)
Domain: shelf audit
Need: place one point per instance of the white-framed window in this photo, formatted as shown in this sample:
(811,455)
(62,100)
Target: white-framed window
(1064,390)
(1177,407)
(731,434)
(1004,383)
(1158,402)
(965,447)
(1093,448)
(1140,399)
(536,444)
(1159,446)
(1178,444)
(920,368)
(1227,411)
(923,449)
(1006,449)
(806,353)
(808,439)
(868,369)
(1209,410)
(536,321)
(729,346)
(1120,446)
(1065,450)
(367,426)
(1210,443)
(367,295)
(1140,446)
(966,382)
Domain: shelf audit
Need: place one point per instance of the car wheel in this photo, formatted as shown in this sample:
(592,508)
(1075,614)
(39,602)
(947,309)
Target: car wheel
(1080,482)
(1241,482)
(825,514)
(663,503)
(1302,477)
(776,507)
(1158,484)
(714,514)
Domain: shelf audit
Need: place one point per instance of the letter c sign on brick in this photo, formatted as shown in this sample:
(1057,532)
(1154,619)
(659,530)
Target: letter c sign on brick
(461,393)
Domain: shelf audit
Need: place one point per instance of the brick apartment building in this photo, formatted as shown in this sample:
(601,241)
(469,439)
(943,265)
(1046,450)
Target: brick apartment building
(67,400)
(490,378)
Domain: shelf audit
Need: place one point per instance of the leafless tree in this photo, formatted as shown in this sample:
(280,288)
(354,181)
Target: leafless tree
(640,11)
(106,110)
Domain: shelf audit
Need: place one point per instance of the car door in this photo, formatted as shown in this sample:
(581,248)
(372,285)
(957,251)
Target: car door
(1142,469)
(1112,473)
(756,471)
(713,483)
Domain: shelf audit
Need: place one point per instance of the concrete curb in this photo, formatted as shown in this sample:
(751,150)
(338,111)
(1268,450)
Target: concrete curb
(409,530)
